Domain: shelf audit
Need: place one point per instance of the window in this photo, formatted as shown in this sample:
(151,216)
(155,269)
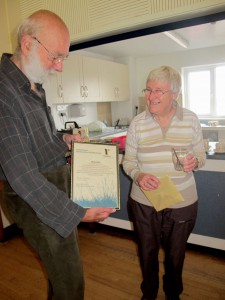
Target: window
(204,90)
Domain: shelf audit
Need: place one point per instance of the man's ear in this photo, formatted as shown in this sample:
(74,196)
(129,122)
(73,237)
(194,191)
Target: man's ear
(26,44)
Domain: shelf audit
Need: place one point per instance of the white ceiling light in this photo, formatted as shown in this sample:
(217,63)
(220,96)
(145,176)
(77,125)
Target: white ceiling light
(177,38)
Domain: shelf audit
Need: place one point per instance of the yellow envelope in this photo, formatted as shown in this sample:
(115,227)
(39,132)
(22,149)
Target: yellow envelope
(165,195)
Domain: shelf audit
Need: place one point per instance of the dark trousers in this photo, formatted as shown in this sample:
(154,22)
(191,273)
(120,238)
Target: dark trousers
(59,255)
(169,228)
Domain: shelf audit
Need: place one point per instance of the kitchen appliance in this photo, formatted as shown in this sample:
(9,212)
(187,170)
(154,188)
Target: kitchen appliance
(69,126)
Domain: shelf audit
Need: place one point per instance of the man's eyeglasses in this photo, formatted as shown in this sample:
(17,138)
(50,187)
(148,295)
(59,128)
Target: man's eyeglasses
(158,93)
(53,58)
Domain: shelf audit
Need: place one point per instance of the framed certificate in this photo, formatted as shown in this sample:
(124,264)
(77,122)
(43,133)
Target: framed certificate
(95,175)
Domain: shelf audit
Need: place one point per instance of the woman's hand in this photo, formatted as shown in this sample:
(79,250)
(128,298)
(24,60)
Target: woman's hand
(190,163)
(68,138)
(148,181)
(97,214)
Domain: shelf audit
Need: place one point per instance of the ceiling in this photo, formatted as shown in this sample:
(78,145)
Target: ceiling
(199,36)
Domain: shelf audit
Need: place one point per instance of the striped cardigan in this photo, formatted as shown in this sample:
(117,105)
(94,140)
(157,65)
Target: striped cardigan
(148,150)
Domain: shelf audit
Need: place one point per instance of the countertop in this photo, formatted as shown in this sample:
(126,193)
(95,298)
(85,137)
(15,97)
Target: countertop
(106,132)
(111,131)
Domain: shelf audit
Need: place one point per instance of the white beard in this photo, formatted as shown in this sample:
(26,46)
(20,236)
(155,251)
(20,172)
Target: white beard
(34,69)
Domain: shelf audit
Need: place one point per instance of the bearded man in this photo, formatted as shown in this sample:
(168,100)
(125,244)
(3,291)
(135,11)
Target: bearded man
(32,155)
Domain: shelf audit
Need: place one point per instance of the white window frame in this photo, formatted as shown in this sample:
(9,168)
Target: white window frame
(186,100)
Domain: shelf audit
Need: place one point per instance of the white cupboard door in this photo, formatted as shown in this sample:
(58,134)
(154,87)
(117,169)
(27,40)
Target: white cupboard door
(108,77)
(122,82)
(91,79)
(87,79)
(53,89)
(72,80)
(115,81)
(81,79)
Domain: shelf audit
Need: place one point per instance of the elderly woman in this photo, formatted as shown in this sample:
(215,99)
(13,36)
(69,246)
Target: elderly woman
(150,139)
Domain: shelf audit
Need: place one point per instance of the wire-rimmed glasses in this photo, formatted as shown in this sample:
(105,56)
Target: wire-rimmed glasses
(55,59)
(157,92)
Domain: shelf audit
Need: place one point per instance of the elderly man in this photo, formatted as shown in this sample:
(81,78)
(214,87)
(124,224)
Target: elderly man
(32,155)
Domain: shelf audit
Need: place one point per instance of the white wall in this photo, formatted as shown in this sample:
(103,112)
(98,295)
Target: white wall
(177,60)
(140,68)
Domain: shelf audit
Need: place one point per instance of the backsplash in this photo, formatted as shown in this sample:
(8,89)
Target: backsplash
(104,113)
(90,115)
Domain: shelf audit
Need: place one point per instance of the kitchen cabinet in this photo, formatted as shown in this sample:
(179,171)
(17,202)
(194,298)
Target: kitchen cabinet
(115,81)
(53,89)
(211,207)
(209,229)
(88,79)
(81,79)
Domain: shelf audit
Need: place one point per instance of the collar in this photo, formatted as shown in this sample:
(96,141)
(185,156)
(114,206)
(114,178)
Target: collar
(16,75)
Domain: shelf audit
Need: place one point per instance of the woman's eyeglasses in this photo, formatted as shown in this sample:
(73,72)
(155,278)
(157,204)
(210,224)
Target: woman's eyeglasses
(157,92)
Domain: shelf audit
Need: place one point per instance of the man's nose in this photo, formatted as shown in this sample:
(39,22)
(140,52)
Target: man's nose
(58,67)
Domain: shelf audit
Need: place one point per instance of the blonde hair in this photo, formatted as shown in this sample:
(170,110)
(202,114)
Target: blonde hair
(166,73)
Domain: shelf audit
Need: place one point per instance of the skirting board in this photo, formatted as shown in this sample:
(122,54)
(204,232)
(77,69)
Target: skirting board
(196,239)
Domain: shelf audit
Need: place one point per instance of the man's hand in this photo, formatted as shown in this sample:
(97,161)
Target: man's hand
(97,214)
(68,138)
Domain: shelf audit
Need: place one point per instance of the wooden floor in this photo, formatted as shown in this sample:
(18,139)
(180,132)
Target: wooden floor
(111,269)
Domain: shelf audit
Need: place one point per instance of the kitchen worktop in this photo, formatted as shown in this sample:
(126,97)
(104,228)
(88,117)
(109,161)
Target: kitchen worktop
(106,132)
(110,132)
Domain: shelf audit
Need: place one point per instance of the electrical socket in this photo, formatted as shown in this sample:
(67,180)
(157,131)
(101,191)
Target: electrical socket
(61,107)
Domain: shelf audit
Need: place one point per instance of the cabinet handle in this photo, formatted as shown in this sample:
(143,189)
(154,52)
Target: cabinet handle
(60,91)
(86,91)
(82,91)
